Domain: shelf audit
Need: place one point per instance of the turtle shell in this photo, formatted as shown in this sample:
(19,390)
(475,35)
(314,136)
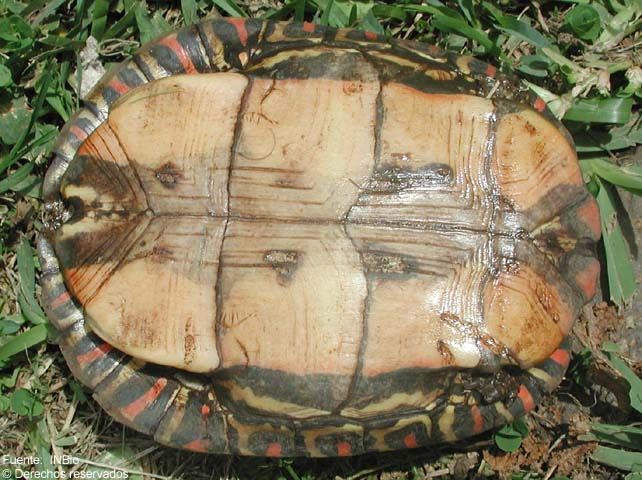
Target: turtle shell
(287,239)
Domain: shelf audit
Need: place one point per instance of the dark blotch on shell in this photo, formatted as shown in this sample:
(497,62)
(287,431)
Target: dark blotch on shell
(169,175)
(391,179)
(498,386)
(284,262)
(385,263)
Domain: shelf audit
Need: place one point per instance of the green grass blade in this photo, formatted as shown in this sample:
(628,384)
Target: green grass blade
(448,24)
(33,336)
(40,100)
(230,7)
(31,310)
(152,27)
(190,11)
(16,177)
(27,276)
(600,110)
(617,458)
(299,10)
(26,268)
(389,11)
(121,25)
(99,15)
(617,138)
(369,22)
(449,21)
(325,17)
(621,435)
(635,392)
(627,176)
(619,269)
(48,9)
(468,9)
(535,65)
(513,26)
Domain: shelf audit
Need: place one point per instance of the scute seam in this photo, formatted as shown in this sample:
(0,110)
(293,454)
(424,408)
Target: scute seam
(233,150)
(356,376)
(133,167)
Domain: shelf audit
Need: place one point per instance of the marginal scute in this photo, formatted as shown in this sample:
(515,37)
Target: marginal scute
(230,43)
(119,80)
(262,437)
(75,131)
(90,358)
(193,422)
(391,434)
(136,396)
(334,440)
(418,399)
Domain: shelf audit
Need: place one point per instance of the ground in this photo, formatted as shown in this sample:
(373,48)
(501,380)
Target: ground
(584,68)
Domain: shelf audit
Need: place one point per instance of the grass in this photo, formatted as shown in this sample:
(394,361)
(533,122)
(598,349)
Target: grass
(582,57)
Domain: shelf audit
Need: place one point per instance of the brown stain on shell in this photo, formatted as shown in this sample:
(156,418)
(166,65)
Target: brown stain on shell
(284,263)
(377,262)
(169,175)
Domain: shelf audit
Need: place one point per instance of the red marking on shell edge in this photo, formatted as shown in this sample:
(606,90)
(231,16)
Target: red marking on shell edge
(132,410)
(239,24)
(491,70)
(526,398)
(344,449)
(410,441)
(589,214)
(60,300)
(478,420)
(370,35)
(308,27)
(540,105)
(199,445)
(561,357)
(94,354)
(273,450)
(117,85)
(78,132)
(205,410)
(587,279)
(172,43)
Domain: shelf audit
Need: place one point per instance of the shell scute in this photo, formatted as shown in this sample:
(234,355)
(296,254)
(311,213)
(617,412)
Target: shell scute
(194,421)
(178,53)
(136,395)
(396,434)
(333,438)
(89,357)
(231,44)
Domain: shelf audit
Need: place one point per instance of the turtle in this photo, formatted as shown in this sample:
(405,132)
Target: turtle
(286,239)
